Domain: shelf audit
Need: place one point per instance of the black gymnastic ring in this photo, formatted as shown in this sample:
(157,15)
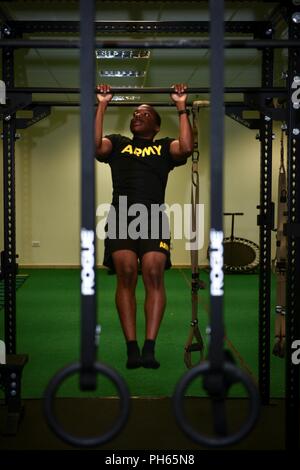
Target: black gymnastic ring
(52,388)
(220,441)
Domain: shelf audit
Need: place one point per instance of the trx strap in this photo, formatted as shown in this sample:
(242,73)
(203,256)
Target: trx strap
(281,256)
(195,342)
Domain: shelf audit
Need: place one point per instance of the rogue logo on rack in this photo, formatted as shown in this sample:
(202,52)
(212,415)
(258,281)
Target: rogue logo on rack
(2,352)
(296,94)
(2,92)
(296,353)
(87,262)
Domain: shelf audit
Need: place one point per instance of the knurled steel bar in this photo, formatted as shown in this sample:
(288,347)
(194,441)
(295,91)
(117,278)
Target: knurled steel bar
(134,27)
(167,1)
(148,90)
(265,228)
(292,399)
(154,44)
(9,126)
(114,104)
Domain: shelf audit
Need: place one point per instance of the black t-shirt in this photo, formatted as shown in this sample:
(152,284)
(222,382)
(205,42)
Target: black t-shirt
(139,168)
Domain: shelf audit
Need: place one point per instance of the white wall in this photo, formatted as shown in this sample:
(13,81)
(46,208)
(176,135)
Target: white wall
(48,184)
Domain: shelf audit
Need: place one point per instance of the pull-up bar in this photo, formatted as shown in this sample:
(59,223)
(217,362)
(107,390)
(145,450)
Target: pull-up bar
(147,90)
(167,44)
(113,104)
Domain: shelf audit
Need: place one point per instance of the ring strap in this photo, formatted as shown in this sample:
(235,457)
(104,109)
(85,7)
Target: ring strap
(194,342)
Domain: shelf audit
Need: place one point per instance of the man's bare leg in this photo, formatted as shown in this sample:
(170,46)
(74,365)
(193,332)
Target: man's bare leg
(126,266)
(153,266)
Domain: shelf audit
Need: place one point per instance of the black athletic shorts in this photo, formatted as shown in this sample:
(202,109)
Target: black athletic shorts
(149,241)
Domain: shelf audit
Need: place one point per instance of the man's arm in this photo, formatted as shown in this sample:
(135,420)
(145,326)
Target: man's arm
(103,145)
(183,147)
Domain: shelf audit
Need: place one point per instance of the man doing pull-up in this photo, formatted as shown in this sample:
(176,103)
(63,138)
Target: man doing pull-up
(140,166)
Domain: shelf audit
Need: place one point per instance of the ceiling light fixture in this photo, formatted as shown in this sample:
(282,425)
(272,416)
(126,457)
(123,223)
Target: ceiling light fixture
(122,54)
(122,73)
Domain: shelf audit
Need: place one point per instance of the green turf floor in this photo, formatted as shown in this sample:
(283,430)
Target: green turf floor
(48,330)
